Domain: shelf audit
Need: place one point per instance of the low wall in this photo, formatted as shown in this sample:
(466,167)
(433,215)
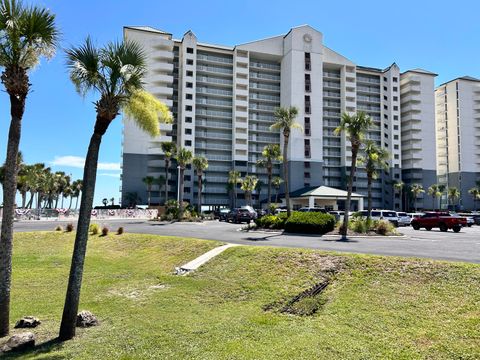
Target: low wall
(65,214)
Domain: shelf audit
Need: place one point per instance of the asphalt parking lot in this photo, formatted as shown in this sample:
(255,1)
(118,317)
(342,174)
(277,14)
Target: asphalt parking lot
(462,246)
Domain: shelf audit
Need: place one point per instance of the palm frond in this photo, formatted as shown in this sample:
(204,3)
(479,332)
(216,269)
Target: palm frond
(84,65)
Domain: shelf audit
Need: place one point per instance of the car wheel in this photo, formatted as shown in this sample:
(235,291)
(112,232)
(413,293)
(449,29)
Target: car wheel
(416,227)
(457,229)
(470,225)
(428,228)
(443,227)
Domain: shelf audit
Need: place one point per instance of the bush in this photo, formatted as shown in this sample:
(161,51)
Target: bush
(69,227)
(383,227)
(105,231)
(94,228)
(360,225)
(272,221)
(310,223)
(59,228)
(120,230)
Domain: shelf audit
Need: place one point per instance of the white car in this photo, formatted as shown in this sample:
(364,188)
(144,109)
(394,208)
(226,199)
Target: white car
(403,219)
(381,215)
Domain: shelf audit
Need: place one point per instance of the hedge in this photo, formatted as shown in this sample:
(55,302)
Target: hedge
(272,221)
(310,223)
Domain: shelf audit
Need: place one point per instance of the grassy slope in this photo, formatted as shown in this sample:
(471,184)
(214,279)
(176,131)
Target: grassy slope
(377,307)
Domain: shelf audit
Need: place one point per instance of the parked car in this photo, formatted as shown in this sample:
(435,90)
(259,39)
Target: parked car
(251,210)
(403,219)
(312,209)
(470,219)
(437,219)
(415,215)
(381,215)
(279,210)
(338,214)
(222,214)
(239,215)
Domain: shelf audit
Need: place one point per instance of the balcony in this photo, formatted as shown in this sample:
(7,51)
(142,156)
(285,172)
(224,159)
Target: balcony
(214,69)
(265,66)
(263,76)
(214,80)
(214,59)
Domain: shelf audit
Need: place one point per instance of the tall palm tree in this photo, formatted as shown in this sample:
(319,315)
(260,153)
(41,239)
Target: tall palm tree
(441,189)
(453,195)
(271,154)
(475,192)
(375,159)
(416,189)
(169,150)
(258,189)
(398,187)
(434,192)
(115,73)
(229,188)
(285,122)
(184,157)
(27,34)
(200,164)
(355,127)
(277,182)
(149,181)
(234,179)
(77,190)
(160,181)
(249,183)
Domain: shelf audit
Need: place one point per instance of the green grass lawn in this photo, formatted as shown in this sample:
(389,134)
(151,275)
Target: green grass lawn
(375,307)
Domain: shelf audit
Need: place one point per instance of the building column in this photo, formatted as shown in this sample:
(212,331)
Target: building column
(360,204)
(311,201)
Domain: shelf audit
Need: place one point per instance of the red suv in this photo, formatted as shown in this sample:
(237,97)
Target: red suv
(442,220)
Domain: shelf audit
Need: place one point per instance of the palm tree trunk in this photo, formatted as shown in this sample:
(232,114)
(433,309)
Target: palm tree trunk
(349,192)
(24,199)
(67,327)
(269,190)
(17,107)
(70,204)
(167,165)
(234,195)
(62,201)
(285,174)
(369,200)
(149,191)
(199,194)
(180,197)
(30,202)
(276,196)
(56,202)
(76,202)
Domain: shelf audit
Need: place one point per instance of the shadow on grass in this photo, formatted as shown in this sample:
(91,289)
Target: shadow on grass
(40,349)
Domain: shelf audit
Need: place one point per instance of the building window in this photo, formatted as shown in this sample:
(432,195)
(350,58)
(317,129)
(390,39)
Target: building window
(385,88)
(385,126)
(384,78)
(385,97)
(396,156)
(395,137)
(189,73)
(188,107)
(385,107)
(306,175)
(186,190)
(395,117)
(188,142)
(189,50)
(189,61)
(307,104)
(395,108)
(385,135)
(395,147)
(395,127)
(307,148)
(395,79)
(308,85)
(188,119)
(385,116)
(188,131)
(306,164)
(308,64)
(189,96)
(395,89)
(395,98)
(307,126)
(189,85)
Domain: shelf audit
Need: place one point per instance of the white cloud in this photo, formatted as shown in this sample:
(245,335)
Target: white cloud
(110,174)
(79,162)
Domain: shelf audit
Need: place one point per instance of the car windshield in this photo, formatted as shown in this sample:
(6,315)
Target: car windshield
(389,214)
(375,213)
(402,214)
(243,210)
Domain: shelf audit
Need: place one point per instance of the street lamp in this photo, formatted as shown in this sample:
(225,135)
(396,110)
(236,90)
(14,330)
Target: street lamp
(178,185)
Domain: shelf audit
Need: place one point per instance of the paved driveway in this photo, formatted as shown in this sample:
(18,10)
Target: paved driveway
(463,246)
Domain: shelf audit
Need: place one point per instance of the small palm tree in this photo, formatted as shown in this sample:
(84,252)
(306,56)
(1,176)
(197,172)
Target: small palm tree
(441,190)
(375,159)
(149,181)
(27,34)
(277,181)
(234,179)
(161,182)
(77,190)
(398,187)
(248,185)
(453,195)
(184,157)
(116,74)
(434,192)
(169,150)
(475,192)
(112,200)
(104,201)
(271,154)
(200,164)
(285,121)
(355,127)
(229,188)
(416,190)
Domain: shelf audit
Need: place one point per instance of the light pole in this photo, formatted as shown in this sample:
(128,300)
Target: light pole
(178,185)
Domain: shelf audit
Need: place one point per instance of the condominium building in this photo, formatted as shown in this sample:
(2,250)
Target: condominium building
(458,136)
(223,100)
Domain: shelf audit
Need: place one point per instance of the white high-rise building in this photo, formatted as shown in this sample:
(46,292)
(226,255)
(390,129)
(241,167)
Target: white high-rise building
(458,136)
(223,100)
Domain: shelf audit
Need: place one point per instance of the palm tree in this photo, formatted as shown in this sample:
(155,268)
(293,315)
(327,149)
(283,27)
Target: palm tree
(27,34)
(416,190)
(355,127)
(453,195)
(160,182)
(104,201)
(200,164)
(112,200)
(285,121)
(184,157)
(375,159)
(475,192)
(434,192)
(116,74)
(149,181)
(229,188)
(398,187)
(258,189)
(234,179)
(77,190)
(441,189)
(271,153)
(248,185)
(277,182)
(169,150)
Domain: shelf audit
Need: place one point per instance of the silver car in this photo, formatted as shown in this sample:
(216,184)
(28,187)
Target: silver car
(403,219)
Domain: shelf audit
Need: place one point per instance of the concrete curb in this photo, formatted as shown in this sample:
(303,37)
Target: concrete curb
(202,259)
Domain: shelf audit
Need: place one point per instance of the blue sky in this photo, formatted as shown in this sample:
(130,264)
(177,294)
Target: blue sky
(442,37)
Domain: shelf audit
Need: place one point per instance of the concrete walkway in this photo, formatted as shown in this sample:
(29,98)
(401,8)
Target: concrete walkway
(202,259)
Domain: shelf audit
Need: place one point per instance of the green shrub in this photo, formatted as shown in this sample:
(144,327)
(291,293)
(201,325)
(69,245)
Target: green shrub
(120,230)
(310,223)
(94,228)
(360,224)
(59,228)
(69,227)
(384,227)
(272,221)
(105,231)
